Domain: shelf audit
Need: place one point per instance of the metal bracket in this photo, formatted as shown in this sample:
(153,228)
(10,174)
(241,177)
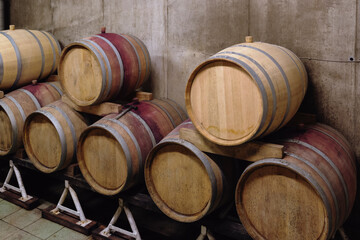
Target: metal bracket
(79,212)
(205,233)
(21,189)
(112,229)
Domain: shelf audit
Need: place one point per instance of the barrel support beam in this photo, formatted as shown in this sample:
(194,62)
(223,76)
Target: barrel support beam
(342,233)
(112,229)
(21,189)
(17,195)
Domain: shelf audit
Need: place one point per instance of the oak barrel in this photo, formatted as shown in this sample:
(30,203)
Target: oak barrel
(185,183)
(245,91)
(51,134)
(111,152)
(103,67)
(17,105)
(26,55)
(307,195)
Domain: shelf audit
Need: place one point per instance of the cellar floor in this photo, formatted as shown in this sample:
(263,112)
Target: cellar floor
(18,223)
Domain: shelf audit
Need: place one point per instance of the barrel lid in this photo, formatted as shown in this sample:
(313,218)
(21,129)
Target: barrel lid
(179,181)
(81,73)
(224,101)
(275,201)
(43,141)
(103,158)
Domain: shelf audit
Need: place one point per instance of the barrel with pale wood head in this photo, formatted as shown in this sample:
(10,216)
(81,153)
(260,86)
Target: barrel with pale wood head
(26,55)
(112,151)
(184,182)
(103,67)
(17,105)
(307,195)
(245,91)
(51,134)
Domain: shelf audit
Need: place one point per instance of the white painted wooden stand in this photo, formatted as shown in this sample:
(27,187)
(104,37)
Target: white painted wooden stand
(110,229)
(79,212)
(205,233)
(21,189)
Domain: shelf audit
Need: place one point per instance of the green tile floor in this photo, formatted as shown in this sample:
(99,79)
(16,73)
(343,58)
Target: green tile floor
(20,224)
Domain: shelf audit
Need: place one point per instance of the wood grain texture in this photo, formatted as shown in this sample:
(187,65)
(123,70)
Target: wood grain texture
(16,106)
(103,67)
(111,152)
(245,91)
(185,183)
(250,151)
(307,195)
(26,55)
(50,136)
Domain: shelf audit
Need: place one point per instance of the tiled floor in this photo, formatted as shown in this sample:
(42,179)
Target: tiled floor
(20,224)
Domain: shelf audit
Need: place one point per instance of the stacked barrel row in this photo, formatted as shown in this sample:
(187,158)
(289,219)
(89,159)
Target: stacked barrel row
(112,150)
(243,93)
(99,68)
(25,56)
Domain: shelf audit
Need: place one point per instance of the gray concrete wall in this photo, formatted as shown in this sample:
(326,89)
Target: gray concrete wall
(324,34)
(180,34)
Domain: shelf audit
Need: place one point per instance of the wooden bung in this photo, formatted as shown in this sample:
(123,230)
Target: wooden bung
(248,39)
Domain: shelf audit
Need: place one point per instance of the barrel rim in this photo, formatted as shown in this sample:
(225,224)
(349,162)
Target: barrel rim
(155,196)
(196,123)
(289,166)
(62,79)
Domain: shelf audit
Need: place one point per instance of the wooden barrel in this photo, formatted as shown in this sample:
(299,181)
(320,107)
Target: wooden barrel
(185,183)
(51,134)
(111,153)
(307,195)
(26,55)
(103,67)
(16,106)
(245,91)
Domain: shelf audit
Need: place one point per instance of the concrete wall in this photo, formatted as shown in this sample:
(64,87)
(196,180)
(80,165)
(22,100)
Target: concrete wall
(181,34)
(178,34)
(324,34)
